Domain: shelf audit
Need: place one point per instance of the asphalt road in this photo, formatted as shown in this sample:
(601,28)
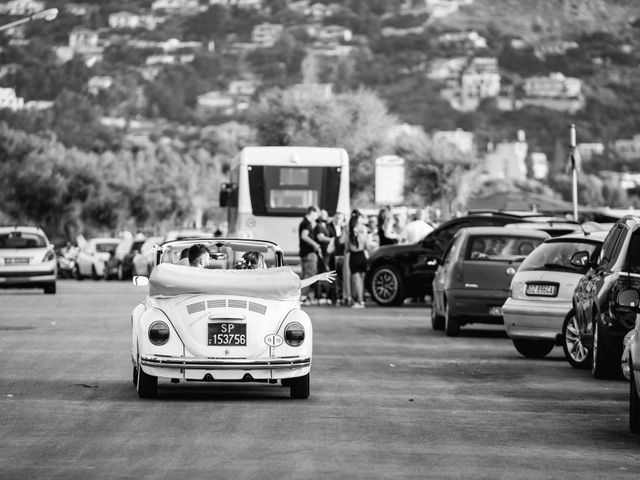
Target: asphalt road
(390,398)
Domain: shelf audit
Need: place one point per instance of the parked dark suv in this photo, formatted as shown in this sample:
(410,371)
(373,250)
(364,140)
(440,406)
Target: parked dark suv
(396,272)
(602,323)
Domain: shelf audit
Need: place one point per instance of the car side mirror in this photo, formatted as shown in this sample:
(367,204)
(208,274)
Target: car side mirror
(140,281)
(580,259)
(630,298)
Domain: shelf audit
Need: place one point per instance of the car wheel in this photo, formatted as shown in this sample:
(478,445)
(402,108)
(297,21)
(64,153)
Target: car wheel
(451,323)
(533,348)
(602,365)
(120,272)
(634,404)
(94,273)
(577,353)
(50,289)
(299,387)
(147,385)
(387,288)
(437,321)
(135,376)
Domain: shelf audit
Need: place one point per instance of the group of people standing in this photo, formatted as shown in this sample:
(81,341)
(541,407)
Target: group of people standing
(344,245)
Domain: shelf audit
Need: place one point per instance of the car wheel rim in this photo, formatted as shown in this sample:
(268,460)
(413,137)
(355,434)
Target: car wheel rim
(575,347)
(385,285)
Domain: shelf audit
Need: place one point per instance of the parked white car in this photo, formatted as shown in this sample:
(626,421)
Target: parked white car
(93,255)
(631,357)
(220,323)
(27,259)
(538,309)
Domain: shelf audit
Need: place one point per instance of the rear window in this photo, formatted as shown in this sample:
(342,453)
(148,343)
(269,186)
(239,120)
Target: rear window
(557,256)
(500,247)
(19,239)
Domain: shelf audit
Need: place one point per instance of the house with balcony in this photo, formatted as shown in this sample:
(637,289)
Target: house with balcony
(266,34)
(555,92)
(83,42)
(21,8)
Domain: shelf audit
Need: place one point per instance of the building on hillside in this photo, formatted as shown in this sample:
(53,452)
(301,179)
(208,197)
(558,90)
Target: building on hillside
(479,80)
(588,151)
(83,42)
(128,20)
(9,69)
(38,105)
(310,89)
(539,165)
(459,139)
(83,39)
(629,149)
(555,92)
(447,70)
(182,7)
(402,32)
(329,33)
(173,44)
(256,4)
(266,34)
(508,159)
(242,88)
(471,40)
(216,102)
(21,8)
(9,99)
(322,64)
(98,83)
(553,47)
(170,59)
(81,9)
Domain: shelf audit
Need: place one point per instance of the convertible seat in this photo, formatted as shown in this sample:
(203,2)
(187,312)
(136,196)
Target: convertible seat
(275,283)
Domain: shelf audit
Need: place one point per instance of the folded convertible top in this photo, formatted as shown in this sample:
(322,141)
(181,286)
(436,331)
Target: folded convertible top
(275,283)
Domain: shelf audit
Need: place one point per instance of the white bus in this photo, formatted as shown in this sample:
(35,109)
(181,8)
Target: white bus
(271,188)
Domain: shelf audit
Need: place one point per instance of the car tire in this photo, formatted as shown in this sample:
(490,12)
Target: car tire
(94,273)
(437,321)
(299,387)
(451,323)
(602,364)
(634,404)
(575,351)
(387,287)
(533,348)
(135,377)
(50,289)
(147,385)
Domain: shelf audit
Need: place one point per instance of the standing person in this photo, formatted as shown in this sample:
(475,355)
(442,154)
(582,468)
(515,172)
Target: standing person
(321,235)
(417,229)
(357,243)
(336,228)
(309,250)
(386,232)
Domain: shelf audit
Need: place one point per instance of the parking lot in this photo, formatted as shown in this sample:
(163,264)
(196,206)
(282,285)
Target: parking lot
(390,398)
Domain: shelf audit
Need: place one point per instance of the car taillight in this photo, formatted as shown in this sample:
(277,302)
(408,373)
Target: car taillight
(517,290)
(159,333)
(294,334)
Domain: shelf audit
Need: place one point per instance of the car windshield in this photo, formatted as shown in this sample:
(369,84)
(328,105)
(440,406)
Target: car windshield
(223,254)
(501,247)
(18,239)
(557,256)
(106,247)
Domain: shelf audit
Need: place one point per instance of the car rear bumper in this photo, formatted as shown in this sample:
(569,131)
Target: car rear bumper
(216,369)
(23,276)
(524,319)
(483,306)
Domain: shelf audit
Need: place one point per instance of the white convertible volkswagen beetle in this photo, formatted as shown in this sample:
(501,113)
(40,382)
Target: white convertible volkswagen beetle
(221,323)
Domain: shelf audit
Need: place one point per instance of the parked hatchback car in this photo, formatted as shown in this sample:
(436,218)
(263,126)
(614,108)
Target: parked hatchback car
(27,259)
(539,306)
(219,323)
(473,279)
(600,322)
(396,272)
(120,263)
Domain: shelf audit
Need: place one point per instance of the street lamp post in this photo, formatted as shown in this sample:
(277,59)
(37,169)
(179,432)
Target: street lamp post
(48,15)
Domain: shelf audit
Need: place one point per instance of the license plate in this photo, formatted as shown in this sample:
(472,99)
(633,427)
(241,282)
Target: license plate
(228,334)
(541,290)
(16,260)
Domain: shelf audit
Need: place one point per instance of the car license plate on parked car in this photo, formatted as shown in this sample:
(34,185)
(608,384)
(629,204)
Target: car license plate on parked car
(541,290)
(16,260)
(228,334)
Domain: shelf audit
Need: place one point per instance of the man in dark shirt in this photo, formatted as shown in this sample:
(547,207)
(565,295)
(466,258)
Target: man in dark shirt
(309,249)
